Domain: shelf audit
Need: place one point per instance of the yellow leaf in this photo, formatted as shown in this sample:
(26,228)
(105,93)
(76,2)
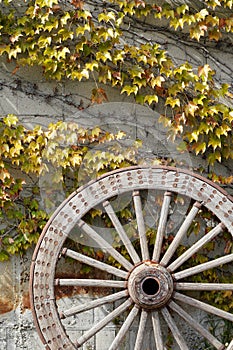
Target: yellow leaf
(10,120)
(194,136)
(151,98)
(204,70)
(157,81)
(200,148)
(130,89)
(92,65)
(191,108)
(172,102)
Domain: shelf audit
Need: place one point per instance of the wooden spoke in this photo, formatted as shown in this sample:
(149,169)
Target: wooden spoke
(230,346)
(141,330)
(89,283)
(175,331)
(121,232)
(141,225)
(162,226)
(95,303)
(95,263)
(180,234)
(157,331)
(198,245)
(145,291)
(203,286)
(124,329)
(203,267)
(195,325)
(203,306)
(104,245)
(101,324)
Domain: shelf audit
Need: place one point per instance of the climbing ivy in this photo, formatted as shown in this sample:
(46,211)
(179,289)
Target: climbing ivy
(81,40)
(27,155)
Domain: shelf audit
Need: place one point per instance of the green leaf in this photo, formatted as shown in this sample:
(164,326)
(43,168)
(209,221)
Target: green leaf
(4,255)
(212,157)
(214,142)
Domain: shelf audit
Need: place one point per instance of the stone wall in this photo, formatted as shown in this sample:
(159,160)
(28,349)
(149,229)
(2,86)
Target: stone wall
(37,101)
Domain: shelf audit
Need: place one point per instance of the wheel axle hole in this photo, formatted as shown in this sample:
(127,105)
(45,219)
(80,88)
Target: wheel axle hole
(150,286)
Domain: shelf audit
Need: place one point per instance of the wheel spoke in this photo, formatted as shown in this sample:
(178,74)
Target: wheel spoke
(162,226)
(89,283)
(121,232)
(125,327)
(180,234)
(198,245)
(95,303)
(203,267)
(141,225)
(141,329)
(104,245)
(203,306)
(175,331)
(230,346)
(101,324)
(203,286)
(195,325)
(95,263)
(157,331)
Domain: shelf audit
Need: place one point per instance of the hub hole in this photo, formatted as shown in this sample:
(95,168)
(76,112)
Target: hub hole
(150,286)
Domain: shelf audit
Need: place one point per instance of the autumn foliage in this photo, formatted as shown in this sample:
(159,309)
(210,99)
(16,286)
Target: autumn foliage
(76,41)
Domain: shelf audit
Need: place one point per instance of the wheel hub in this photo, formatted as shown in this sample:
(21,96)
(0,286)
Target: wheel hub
(150,285)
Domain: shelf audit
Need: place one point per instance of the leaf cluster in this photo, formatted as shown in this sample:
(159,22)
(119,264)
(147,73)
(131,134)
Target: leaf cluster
(27,155)
(79,42)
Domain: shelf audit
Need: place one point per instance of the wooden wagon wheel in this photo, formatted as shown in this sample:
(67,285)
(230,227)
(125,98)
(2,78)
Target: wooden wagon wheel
(151,285)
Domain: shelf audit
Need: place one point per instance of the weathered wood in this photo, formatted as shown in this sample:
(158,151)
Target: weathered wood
(203,286)
(230,346)
(203,267)
(121,232)
(141,330)
(94,303)
(197,246)
(175,331)
(90,283)
(104,245)
(157,330)
(195,325)
(141,225)
(72,212)
(95,263)
(203,306)
(101,324)
(180,234)
(124,328)
(161,226)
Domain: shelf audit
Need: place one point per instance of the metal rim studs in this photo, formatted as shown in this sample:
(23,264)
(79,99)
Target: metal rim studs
(149,284)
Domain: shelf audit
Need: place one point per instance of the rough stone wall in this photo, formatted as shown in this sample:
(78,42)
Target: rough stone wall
(37,101)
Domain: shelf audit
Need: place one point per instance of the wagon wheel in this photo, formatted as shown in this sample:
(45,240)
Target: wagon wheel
(150,287)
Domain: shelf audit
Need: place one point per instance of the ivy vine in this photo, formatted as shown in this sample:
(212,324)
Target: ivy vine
(27,155)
